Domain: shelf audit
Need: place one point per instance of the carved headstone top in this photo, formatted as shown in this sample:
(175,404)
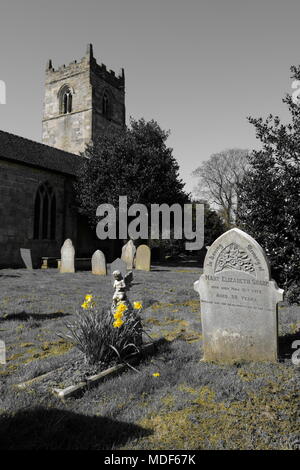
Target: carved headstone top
(238,301)
(234,257)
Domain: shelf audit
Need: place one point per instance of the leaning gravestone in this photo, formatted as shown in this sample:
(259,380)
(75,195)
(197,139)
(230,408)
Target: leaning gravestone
(26,257)
(143,258)
(99,263)
(238,301)
(118,265)
(2,352)
(67,264)
(128,254)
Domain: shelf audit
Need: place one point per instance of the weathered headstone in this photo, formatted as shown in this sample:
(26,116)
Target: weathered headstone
(143,258)
(118,265)
(2,352)
(99,263)
(128,254)
(67,264)
(26,257)
(238,301)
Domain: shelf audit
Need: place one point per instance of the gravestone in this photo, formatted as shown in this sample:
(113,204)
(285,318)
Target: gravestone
(238,301)
(99,263)
(118,265)
(67,263)
(2,352)
(128,254)
(26,257)
(143,258)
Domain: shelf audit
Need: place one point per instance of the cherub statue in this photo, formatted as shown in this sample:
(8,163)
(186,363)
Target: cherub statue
(121,286)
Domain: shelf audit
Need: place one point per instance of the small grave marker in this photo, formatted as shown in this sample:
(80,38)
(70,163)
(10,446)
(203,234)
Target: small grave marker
(26,257)
(143,258)
(2,352)
(99,263)
(67,257)
(128,254)
(118,265)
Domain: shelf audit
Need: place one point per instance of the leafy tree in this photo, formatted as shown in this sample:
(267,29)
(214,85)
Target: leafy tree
(269,193)
(213,228)
(213,225)
(218,178)
(134,162)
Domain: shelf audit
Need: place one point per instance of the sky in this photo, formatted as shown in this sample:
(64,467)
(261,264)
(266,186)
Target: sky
(197,67)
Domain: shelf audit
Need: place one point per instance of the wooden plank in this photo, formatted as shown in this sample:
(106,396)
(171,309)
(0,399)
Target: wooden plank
(73,390)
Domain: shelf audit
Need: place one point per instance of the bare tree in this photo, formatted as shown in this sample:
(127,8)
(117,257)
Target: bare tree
(217,180)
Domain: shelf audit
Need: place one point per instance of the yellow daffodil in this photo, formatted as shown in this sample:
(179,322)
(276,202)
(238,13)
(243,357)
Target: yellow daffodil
(118,315)
(121,308)
(118,323)
(137,305)
(88,302)
(156,374)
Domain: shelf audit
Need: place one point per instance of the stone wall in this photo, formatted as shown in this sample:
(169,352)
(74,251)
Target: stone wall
(18,186)
(116,104)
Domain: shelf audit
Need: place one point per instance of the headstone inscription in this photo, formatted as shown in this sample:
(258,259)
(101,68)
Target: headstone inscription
(238,301)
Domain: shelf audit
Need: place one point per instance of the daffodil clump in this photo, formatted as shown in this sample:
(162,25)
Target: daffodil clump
(108,335)
(128,325)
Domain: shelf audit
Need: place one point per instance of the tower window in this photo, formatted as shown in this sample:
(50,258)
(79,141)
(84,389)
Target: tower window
(45,213)
(105,106)
(65,100)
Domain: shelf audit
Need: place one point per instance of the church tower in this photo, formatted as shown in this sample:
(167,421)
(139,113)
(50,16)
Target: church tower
(81,100)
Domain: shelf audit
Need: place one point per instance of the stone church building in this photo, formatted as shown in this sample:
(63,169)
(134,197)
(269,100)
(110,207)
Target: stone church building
(37,199)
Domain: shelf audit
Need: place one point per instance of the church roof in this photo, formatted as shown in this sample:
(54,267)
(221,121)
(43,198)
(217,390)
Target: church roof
(28,152)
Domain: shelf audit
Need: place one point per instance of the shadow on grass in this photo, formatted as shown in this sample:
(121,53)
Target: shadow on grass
(57,429)
(285,350)
(158,270)
(160,346)
(24,316)
(10,275)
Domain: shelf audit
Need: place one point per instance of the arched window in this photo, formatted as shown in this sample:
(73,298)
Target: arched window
(105,106)
(65,100)
(45,213)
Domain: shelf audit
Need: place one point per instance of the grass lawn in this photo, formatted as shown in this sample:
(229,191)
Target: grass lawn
(189,405)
